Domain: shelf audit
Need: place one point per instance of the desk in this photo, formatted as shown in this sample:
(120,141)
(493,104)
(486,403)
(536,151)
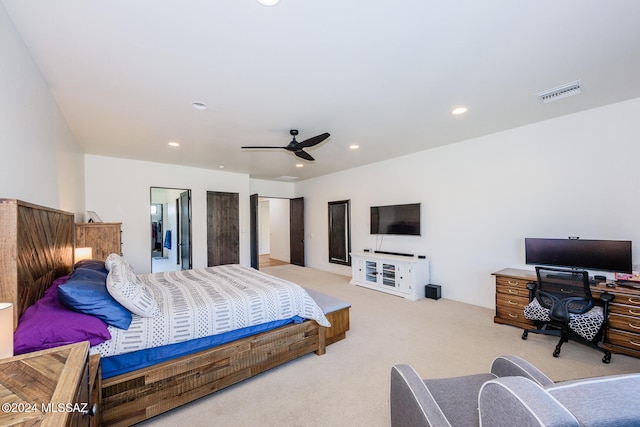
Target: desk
(622,334)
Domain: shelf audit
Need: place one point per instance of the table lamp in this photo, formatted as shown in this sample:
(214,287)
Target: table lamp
(6,330)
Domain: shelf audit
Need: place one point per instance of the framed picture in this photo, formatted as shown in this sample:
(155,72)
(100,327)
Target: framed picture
(93,217)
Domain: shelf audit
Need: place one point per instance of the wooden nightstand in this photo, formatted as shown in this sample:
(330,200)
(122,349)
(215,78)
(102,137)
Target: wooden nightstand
(103,237)
(50,387)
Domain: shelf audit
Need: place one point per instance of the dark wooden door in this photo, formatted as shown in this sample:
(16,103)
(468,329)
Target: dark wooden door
(223,228)
(296,212)
(184,219)
(253,231)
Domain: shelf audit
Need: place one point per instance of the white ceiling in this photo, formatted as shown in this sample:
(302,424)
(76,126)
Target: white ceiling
(381,74)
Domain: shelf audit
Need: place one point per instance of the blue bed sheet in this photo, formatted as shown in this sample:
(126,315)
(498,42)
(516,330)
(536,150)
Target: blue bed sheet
(123,363)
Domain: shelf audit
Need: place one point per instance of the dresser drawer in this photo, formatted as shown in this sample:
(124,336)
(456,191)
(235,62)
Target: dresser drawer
(631,300)
(511,308)
(625,310)
(515,291)
(511,282)
(623,339)
(625,323)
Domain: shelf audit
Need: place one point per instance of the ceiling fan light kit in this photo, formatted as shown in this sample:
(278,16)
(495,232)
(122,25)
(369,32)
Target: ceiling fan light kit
(297,147)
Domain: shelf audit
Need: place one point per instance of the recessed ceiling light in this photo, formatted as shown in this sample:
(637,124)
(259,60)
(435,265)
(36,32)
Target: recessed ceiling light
(199,105)
(268,2)
(299,165)
(221,166)
(459,110)
(174,144)
(354,146)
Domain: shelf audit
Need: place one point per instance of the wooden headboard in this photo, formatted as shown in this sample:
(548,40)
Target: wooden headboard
(36,247)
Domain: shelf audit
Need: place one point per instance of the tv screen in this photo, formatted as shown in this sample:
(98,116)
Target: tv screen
(396,219)
(602,255)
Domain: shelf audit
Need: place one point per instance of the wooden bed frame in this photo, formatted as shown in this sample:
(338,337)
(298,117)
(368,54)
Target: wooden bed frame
(36,247)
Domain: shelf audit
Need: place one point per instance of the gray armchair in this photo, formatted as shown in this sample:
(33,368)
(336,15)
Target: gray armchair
(513,393)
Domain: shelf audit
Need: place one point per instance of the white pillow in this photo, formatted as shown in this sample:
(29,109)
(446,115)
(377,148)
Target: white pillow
(125,287)
(112,260)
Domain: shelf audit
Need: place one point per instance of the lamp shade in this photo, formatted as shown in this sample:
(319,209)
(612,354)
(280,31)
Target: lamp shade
(6,330)
(82,253)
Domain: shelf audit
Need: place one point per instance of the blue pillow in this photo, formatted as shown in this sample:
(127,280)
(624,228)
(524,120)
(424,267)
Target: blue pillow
(92,264)
(86,292)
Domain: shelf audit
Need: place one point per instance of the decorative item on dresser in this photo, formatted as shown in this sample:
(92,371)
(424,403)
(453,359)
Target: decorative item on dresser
(103,238)
(54,387)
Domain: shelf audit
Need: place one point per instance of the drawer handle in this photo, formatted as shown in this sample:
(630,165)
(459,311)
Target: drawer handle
(514,291)
(91,411)
(513,283)
(514,316)
(512,302)
(634,312)
(564,291)
(634,343)
(634,300)
(631,325)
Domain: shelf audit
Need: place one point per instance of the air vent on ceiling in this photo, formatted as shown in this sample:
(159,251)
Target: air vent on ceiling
(564,91)
(286,178)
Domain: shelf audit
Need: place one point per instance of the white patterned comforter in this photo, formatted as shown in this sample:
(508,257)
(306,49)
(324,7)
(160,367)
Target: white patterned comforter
(209,301)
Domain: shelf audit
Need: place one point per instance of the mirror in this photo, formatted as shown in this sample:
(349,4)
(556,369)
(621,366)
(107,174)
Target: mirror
(340,232)
(170,216)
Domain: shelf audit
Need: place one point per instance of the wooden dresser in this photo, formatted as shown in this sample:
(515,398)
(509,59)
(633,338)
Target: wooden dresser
(103,237)
(512,296)
(55,387)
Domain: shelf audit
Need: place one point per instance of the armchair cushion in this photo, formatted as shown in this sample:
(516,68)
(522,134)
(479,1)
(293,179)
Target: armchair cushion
(504,400)
(603,401)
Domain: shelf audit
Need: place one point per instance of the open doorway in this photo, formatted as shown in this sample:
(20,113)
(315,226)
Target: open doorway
(170,229)
(273,231)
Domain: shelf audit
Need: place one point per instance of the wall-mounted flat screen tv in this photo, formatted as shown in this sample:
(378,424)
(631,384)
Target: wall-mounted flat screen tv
(396,219)
(601,255)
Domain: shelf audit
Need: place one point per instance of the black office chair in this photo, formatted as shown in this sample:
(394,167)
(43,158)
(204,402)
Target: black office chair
(561,304)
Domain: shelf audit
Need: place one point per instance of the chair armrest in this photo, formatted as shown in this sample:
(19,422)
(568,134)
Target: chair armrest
(606,297)
(411,401)
(532,288)
(511,366)
(519,401)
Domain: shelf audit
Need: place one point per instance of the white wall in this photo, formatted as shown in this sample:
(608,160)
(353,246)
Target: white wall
(118,190)
(266,188)
(43,163)
(264,227)
(572,176)
(279,221)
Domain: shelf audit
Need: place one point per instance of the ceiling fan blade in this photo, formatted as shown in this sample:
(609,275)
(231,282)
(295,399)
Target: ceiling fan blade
(304,155)
(262,147)
(313,141)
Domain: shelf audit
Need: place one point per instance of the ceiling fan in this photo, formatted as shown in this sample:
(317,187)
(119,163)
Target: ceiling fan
(297,147)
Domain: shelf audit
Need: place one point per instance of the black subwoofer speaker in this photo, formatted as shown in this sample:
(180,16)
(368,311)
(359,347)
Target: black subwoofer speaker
(433,291)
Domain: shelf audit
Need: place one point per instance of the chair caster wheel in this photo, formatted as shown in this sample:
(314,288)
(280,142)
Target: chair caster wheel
(525,334)
(556,353)
(606,358)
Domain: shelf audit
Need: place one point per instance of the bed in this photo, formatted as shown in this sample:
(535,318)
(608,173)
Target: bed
(36,245)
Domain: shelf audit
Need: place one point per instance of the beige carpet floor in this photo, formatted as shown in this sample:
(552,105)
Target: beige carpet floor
(349,385)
